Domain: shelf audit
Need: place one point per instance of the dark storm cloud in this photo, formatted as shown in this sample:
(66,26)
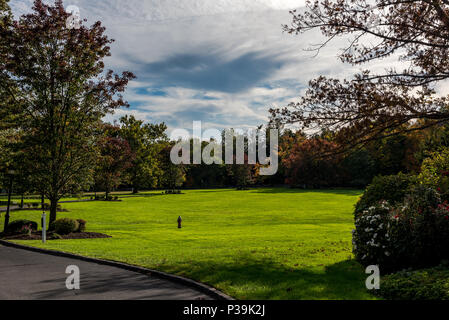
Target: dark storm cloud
(210,72)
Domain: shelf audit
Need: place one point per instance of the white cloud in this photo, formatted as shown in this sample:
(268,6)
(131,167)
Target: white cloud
(220,31)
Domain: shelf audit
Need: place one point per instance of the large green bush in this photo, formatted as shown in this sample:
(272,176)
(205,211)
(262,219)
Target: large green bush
(417,229)
(414,233)
(424,284)
(385,188)
(64,226)
(427,221)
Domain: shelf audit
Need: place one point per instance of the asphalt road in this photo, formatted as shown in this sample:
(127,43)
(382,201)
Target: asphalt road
(27,275)
(11,208)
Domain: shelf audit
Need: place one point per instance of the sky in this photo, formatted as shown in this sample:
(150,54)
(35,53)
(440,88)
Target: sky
(222,62)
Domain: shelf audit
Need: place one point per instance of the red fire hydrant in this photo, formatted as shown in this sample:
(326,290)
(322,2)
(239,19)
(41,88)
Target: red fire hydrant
(179,222)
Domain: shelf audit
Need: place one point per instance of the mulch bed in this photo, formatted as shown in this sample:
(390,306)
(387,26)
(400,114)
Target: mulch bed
(51,236)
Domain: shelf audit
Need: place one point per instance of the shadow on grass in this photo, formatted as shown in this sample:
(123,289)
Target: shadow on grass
(210,190)
(348,192)
(141,195)
(248,278)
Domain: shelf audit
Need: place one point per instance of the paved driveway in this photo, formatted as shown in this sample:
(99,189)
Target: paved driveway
(31,275)
(11,208)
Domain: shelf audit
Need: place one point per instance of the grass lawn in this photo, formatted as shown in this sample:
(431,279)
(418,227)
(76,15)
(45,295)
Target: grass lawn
(257,244)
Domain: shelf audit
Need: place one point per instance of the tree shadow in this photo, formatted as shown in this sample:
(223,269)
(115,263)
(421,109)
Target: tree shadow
(246,277)
(141,195)
(120,285)
(340,191)
(211,190)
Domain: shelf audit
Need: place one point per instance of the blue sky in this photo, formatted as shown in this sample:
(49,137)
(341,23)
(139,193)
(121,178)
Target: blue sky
(224,62)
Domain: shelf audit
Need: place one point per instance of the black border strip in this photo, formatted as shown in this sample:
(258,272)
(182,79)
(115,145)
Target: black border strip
(211,291)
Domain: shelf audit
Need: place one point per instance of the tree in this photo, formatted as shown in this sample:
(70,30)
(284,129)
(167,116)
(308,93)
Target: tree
(390,154)
(6,85)
(56,82)
(114,158)
(242,175)
(173,175)
(5,10)
(6,137)
(371,105)
(359,168)
(432,140)
(205,175)
(146,141)
(304,165)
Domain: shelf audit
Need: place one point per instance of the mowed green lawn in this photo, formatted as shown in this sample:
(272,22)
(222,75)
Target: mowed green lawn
(257,244)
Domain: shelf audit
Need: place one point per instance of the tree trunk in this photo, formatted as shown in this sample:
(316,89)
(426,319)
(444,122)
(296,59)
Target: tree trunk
(21,202)
(42,201)
(7,209)
(53,205)
(135,190)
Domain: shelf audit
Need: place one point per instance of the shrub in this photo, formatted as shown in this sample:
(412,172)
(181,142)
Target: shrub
(64,226)
(426,220)
(81,225)
(17,225)
(414,233)
(424,284)
(389,188)
(26,229)
(46,206)
(370,239)
(35,204)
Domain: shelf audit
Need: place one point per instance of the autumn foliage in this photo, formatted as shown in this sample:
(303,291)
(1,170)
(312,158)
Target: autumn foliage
(373,105)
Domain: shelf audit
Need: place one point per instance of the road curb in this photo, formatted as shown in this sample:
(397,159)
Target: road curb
(204,288)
